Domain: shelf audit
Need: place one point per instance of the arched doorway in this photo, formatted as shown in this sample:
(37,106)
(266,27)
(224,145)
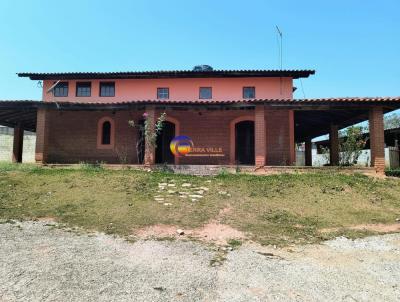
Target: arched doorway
(164,138)
(244,143)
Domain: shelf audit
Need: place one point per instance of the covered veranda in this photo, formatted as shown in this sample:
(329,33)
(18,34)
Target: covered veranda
(317,117)
(310,118)
(21,116)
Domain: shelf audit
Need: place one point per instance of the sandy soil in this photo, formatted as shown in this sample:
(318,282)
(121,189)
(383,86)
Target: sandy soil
(41,262)
(379,228)
(213,232)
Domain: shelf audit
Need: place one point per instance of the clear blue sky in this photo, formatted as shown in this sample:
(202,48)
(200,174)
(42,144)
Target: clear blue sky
(353,45)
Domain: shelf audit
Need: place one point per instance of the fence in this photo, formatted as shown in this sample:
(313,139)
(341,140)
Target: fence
(393,157)
(318,160)
(6,145)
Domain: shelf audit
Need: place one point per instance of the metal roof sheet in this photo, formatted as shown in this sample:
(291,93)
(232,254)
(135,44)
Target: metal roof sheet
(295,73)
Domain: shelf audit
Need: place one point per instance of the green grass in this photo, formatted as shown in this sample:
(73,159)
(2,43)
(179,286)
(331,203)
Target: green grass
(277,209)
(234,243)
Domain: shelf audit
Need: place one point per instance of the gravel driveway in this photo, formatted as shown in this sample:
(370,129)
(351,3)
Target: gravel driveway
(43,263)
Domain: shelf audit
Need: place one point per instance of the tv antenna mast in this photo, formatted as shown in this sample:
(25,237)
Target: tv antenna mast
(279,40)
(52,87)
(280,46)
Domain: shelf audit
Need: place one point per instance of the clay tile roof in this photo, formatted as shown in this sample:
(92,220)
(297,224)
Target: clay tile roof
(316,101)
(247,101)
(350,100)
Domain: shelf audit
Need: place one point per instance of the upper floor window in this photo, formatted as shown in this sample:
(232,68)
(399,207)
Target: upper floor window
(205,93)
(162,93)
(107,89)
(61,89)
(83,89)
(249,92)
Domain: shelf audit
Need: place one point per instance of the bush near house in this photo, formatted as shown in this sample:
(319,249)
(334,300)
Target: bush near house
(393,172)
(277,209)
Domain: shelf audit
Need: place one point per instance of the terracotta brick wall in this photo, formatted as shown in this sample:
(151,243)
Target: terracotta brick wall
(42,131)
(260,136)
(377,139)
(72,135)
(208,129)
(280,137)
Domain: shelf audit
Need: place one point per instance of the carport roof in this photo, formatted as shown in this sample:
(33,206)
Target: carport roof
(21,112)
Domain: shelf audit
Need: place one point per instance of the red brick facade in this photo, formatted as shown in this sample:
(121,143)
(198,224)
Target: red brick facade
(42,131)
(260,136)
(334,145)
(377,139)
(280,146)
(72,136)
(227,127)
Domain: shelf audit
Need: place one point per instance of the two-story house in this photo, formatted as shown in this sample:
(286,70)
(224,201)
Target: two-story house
(230,117)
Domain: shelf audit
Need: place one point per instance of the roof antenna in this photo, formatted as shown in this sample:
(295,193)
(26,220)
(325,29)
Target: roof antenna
(279,40)
(280,36)
(52,87)
(302,88)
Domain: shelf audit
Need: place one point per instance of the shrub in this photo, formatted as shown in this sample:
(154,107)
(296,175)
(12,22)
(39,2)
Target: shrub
(92,167)
(393,172)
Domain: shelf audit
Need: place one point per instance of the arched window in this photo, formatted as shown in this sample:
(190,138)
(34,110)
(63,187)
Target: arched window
(105,133)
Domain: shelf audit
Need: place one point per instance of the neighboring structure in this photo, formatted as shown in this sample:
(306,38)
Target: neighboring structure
(246,117)
(391,139)
(6,145)
(321,159)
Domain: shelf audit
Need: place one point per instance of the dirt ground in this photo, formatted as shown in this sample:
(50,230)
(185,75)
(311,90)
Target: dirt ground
(39,261)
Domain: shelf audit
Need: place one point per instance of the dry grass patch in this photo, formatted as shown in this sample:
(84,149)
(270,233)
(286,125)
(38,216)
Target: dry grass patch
(276,209)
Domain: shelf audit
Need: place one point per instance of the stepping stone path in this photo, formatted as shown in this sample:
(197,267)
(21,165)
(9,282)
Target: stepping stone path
(193,192)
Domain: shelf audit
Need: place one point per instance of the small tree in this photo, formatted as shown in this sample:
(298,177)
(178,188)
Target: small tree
(392,121)
(148,132)
(351,143)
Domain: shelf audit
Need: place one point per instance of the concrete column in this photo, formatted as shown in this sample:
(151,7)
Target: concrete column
(149,150)
(42,131)
(259,136)
(18,144)
(377,139)
(308,152)
(334,145)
